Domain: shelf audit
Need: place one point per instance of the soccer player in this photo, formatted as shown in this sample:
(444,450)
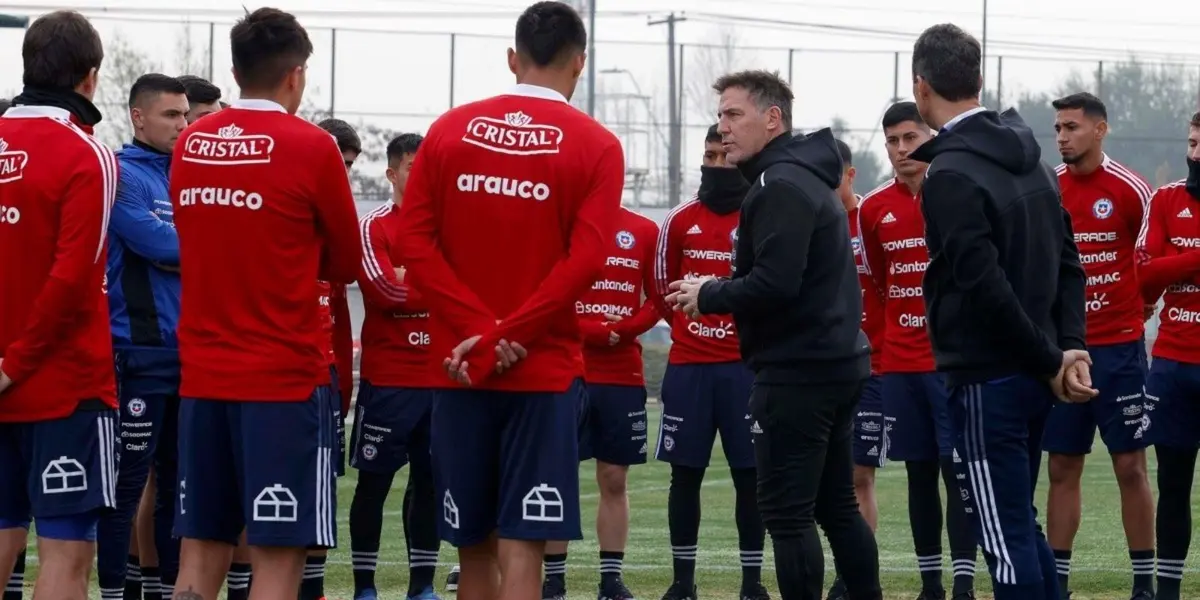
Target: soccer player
(264,210)
(706,388)
(143,299)
(16,581)
(506,222)
(915,397)
(58,418)
(1107,202)
(395,400)
(1169,262)
(204,98)
(1004,295)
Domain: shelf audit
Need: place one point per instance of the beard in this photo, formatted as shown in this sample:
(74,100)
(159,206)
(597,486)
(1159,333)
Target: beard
(1070,159)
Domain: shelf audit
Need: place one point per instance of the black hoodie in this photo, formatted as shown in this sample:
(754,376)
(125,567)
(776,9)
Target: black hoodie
(1004,291)
(794,294)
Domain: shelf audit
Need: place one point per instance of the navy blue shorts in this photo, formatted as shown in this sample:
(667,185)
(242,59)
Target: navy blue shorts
(61,468)
(698,401)
(613,428)
(506,462)
(918,424)
(869,448)
(1119,373)
(1173,401)
(391,427)
(339,420)
(264,466)
(144,411)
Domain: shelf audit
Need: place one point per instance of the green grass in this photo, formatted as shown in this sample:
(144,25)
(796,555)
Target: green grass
(1100,568)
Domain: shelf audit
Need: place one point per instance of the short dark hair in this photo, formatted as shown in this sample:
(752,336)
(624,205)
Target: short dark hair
(1195,120)
(405,143)
(950,60)
(766,89)
(347,138)
(713,135)
(153,84)
(5,104)
(548,32)
(199,90)
(900,112)
(1091,105)
(59,50)
(266,45)
(845,152)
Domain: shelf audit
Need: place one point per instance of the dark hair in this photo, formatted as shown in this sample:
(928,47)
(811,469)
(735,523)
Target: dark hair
(5,104)
(59,50)
(199,90)
(950,60)
(153,84)
(347,138)
(405,143)
(1091,105)
(766,89)
(1196,120)
(548,32)
(901,112)
(266,45)
(845,152)
(713,135)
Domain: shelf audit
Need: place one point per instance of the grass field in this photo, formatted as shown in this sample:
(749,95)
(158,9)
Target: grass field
(1100,568)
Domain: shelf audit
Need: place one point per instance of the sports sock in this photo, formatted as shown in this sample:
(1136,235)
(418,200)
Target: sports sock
(133,578)
(556,567)
(925,517)
(611,565)
(312,585)
(366,526)
(151,584)
(963,548)
(237,582)
(16,581)
(683,521)
(1062,564)
(1176,470)
(420,513)
(751,533)
(1143,569)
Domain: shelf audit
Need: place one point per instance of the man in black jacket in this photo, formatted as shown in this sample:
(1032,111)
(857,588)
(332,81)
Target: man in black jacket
(795,298)
(1004,296)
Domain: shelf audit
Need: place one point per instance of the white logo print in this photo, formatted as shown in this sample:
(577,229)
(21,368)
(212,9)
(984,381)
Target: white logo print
(449,510)
(275,504)
(625,240)
(1186,213)
(503,186)
(515,134)
(229,146)
(12,164)
(64,475)
(543,503)
(889,218)
(695,230)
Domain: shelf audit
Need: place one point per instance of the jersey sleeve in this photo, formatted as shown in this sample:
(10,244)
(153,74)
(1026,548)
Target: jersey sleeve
(337,217)
(81,236)
(135,224)
(343,342)
(1158,267)
(650,311)
(376,275)
(874,259)
(668,259)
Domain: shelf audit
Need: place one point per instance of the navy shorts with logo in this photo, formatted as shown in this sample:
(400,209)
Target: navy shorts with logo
(506,462)
(391,427)
(264,466)
(699,401)
(60,468)
(613,427)
(1119,374)
(1173,400)
(917,422)
(870,449)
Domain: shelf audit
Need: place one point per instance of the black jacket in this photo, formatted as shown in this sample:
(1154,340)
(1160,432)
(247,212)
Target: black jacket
(794,294)
(1004,289)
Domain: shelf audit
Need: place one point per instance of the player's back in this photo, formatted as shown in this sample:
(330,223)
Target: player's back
(247,184)
(57,186)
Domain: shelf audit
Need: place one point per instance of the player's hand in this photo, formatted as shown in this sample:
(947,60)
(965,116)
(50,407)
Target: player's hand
(5,382)
(1069,358)
(686,296)
(507,355)
(1148,311)
(399,271)
(1077,383)
(456,367)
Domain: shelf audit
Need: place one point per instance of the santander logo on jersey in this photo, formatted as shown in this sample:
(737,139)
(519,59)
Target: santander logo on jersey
(230,145)
(12,163)
(515,134)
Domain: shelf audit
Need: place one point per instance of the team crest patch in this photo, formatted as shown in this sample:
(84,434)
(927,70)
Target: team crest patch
(137,407)
(733,236)
(856,244)
(1103,208)
(625,240)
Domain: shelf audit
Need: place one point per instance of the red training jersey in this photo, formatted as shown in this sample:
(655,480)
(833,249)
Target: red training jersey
(892,232)
(872,318)
(696,242)
(1106,208)
(507,218)
(628,276)
(395,333)
(326,312)
(264,210)
(57,186)
(343,342)
(1169,261)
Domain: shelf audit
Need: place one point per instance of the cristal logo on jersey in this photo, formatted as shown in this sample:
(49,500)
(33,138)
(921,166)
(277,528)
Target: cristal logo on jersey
(230,145)
(12,163)
(515,134)
(1103,208)
(625,240)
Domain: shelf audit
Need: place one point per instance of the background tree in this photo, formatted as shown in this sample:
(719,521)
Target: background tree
(702,65)
(123,64)
(870,171)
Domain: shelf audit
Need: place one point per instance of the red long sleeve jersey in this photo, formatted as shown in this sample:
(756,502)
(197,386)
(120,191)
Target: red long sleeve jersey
(628,274)
(343,342)
(395,332)
(894,256)
(872,319)
(506,222)
(1106,208)
(264,210)
(696,242)
(57,186)
(324,306)
(1172,229)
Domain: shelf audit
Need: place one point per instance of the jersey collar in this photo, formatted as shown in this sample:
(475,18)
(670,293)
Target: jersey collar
(34,112)
(257,104)
(536,91)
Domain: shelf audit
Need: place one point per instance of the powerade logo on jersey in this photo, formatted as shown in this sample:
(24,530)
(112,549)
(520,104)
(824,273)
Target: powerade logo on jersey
(515,134)
(1096,238)
(503,186)
(1103,208)
(230,145)
(1182,242)
(708,255)
(12,163)
(903,244)
(625,240)
(621,261)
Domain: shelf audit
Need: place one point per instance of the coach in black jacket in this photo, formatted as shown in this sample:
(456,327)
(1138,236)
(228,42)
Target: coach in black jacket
(795,298)
(1004,296)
